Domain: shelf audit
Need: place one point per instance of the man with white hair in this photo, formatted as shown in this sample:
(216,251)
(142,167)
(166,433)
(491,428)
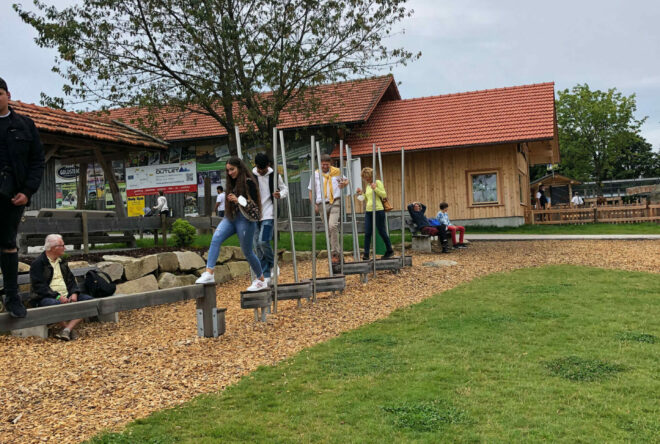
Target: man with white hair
(54,284)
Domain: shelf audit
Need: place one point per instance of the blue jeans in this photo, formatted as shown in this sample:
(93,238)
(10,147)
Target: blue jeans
(244,229)
(46,302)
(262,247)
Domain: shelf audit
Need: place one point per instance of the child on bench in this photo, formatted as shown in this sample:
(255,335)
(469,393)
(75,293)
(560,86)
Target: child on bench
(443,217)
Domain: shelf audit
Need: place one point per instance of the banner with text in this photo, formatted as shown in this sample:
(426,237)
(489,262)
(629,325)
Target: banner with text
(170,178)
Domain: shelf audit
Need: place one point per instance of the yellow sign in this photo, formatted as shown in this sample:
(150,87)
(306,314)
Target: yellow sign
(135,206)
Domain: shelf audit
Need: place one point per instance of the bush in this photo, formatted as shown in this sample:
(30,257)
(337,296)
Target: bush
(184,233)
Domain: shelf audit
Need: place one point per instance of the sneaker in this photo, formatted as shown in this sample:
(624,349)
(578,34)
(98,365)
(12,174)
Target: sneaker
(446,251)
(365,258)
(15,307)
(258,285)
(388,254)
(206,278)
(64,334)
(462,246)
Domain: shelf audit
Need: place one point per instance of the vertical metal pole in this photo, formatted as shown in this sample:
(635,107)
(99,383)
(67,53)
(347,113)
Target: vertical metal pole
(356,244)
(373,205)
(276,178)
(403,205)
(313,204)
(341,209)
(286,182)
(382,179)
(325,214)
(238,142)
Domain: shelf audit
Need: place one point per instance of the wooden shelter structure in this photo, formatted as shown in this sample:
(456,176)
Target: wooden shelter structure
(559,188)
(79,139)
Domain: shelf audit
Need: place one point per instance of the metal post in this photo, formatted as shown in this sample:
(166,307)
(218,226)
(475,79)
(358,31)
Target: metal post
(286,182)
(325,213)
(403,205)
(238,142)
(356,244)
(207,313)
(313,204)
(273,271)
(382,179)
(341,209)
(373,205)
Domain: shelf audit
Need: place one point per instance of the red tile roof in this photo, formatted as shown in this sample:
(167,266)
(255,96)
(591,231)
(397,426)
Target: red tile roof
(345,102)
(519,113)
(56,121)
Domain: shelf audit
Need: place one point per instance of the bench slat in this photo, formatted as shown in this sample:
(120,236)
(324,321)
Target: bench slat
(126,302)
(50,315)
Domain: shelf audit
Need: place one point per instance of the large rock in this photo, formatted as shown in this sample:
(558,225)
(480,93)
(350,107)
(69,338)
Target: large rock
(238,269)
(323,254)
(169,280)
(78,264)
(146,283)
(287,256)
(222,273)
(141,267)
(119,259)
(23,267)
(440,263)
(237,253)
(189,260)
(225,255)
(167,262)
(114,269)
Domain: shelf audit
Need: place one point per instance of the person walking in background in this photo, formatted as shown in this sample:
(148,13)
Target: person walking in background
(242,211)
(329,183)
(21,169)
(268,192)
(577,200)
(540,197)
(443,218)
(379,188)
(220,202)
(161,204)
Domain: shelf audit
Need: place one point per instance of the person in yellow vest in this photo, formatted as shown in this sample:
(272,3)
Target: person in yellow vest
(368,177)
(328,187)
(53,283)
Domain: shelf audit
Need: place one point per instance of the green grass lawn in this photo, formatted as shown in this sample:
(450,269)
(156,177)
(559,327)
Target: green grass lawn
(558,353)
(641,228)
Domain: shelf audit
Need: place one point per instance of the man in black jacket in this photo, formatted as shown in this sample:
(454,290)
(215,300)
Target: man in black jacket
(21,169)
(53,283)
(417,210)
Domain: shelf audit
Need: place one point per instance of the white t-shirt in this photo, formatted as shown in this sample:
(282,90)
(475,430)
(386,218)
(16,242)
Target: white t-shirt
(221,200)
(577,200)
(336,190)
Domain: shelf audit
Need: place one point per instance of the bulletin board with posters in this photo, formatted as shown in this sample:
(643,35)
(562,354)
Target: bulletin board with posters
(66,184)
(146,174)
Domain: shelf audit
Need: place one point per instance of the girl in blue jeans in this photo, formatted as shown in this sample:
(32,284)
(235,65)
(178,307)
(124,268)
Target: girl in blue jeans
(240,182)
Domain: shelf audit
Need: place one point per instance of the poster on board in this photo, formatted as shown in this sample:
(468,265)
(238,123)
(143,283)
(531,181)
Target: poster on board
(171,178)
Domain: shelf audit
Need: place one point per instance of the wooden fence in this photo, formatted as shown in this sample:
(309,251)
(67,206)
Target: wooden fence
(606,214)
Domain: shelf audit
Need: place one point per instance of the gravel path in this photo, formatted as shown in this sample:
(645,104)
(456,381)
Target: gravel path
(52,391)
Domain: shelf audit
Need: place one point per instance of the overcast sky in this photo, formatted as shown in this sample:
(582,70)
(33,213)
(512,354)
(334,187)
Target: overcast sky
(466,45)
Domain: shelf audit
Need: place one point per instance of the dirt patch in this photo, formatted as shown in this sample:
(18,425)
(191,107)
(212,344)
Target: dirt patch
(152,359)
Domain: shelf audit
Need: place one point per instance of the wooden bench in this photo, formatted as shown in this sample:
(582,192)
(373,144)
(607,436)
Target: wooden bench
(210,319)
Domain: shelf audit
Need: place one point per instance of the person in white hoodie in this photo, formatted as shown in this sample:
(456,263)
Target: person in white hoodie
(268,192)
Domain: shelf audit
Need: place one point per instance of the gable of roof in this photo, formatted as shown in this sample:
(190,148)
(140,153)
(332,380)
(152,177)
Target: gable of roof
(55,121)
(514,114)
(347,102)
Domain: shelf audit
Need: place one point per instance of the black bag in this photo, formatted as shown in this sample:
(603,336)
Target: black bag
(98,284)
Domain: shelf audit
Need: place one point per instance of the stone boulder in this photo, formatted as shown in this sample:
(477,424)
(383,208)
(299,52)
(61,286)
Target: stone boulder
(167,262)
(287,256)
(226,253)
(23,267)
(141,285)
(114,269)
(169,280)
(222,273)
(237,253)
(141,267)
(323,254)
(238,269)
(117,258)
(78,264)
(440,263)
(189,260)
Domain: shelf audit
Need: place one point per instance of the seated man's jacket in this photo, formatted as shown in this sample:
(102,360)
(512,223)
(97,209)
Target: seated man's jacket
(41,275)
(418,217)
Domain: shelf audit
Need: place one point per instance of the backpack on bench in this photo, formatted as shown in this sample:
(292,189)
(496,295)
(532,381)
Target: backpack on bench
(98,284)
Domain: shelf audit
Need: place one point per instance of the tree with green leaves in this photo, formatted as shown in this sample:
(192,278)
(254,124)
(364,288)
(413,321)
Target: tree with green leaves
(238,61)
(594,128)
(635,159)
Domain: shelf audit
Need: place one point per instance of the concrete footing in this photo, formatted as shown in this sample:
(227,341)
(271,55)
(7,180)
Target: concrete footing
(40,331)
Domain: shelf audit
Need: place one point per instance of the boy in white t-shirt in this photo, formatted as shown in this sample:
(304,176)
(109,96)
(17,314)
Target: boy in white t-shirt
(220,202)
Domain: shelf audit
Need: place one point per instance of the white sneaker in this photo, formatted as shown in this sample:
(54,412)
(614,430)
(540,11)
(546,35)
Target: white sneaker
(278,270)
(206,278)
(258,285)
(269,281)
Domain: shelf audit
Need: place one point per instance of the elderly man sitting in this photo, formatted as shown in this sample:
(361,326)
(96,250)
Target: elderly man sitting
(53,283)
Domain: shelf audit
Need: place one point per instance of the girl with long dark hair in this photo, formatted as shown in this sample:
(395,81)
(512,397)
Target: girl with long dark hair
(240,184)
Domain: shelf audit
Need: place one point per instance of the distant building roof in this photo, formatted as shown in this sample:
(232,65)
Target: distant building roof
(349,102)
(514,114)
(84,126)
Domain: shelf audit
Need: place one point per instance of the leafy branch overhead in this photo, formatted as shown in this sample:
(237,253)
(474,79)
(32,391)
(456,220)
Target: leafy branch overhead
(216,57)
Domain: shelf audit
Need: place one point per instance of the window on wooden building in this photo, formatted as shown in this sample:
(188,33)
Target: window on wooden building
(484,188)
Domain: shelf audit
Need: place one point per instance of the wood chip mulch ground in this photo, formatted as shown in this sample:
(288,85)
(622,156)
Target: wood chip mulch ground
(53,391)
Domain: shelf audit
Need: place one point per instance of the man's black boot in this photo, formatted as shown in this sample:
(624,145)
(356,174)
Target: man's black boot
(9,266)
(14,306)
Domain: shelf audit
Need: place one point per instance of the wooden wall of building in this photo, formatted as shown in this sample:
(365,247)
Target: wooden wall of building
(443,175)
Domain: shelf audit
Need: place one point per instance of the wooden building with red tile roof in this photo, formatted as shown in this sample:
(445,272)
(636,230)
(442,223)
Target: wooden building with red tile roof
(472,150)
